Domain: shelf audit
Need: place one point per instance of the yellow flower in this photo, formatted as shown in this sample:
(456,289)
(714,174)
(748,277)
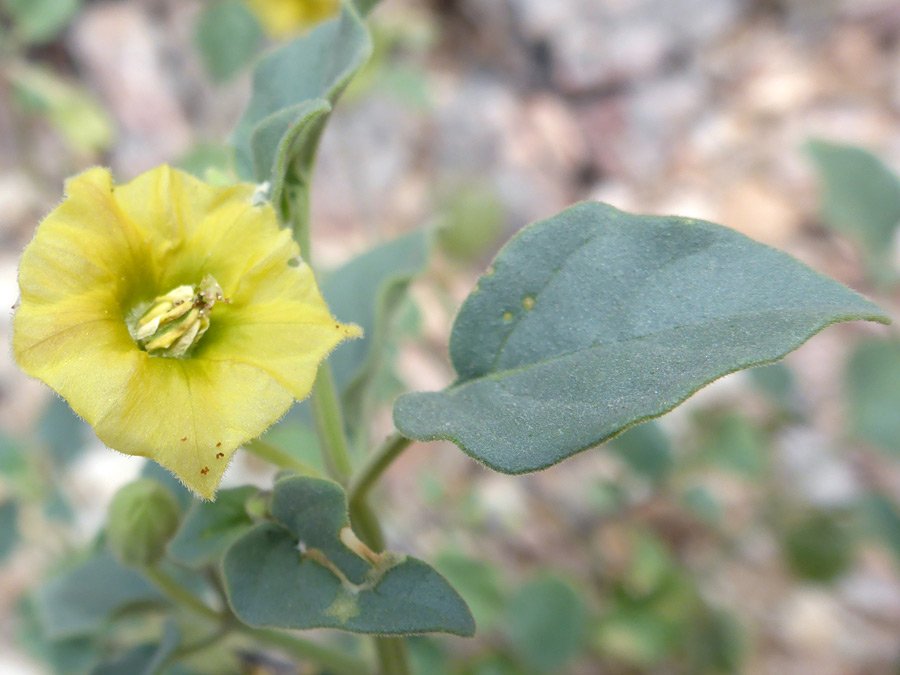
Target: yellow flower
(283,18)
(173,316)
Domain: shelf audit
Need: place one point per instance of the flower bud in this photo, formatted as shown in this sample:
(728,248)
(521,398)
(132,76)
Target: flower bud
(143,516)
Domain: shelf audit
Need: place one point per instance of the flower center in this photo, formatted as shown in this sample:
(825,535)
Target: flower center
(175,322)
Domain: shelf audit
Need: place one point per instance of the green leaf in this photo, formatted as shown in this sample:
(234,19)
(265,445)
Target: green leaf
(861,199)
(646,449)
(9,528)
(287,573)
(13,465)
(294,88)
(479,584)
(819,548)
(873,391)
(368,291)
(210,527)
(777,381)
(227,36)
(595,320)
(735,444)
(62,431)
(471,222)
(74,113)
(75,656)
(635,636)
(547,623)
(81,600)
(40,21)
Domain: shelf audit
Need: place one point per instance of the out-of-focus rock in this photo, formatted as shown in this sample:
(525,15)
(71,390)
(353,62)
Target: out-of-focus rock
(118,47)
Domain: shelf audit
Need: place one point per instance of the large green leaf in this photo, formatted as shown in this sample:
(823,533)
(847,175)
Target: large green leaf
(861,199)
(594,320)
(81,600)
(209,527)
(294,88)
(287,573)
(873,390)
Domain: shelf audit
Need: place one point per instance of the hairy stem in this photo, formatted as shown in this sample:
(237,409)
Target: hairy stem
(375,465)
(329,420)
(392,656)
(182,596)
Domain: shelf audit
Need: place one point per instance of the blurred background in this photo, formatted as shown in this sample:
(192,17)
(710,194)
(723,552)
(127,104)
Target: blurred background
(754,530)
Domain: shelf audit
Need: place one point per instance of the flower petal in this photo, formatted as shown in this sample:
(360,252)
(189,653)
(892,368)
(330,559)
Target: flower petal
(190,415)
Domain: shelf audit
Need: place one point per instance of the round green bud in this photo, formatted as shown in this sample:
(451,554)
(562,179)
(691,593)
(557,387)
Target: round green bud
(143,516)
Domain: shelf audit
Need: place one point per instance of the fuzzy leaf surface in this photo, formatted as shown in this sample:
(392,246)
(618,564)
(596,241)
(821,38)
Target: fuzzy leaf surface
(596,319)
(272,579)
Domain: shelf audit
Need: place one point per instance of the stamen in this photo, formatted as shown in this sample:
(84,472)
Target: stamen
(174,323)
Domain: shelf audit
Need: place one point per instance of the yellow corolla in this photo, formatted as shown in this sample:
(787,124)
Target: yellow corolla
(174,316)
(282,18)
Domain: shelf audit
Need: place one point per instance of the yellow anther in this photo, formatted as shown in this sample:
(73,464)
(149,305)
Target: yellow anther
(176,321)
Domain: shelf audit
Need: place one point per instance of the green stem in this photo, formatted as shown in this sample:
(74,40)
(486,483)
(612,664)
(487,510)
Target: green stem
(365,524)
(329,421)
(181,595)
(392,656)
(296,210)
(280,458)
(375,465)
(333,661)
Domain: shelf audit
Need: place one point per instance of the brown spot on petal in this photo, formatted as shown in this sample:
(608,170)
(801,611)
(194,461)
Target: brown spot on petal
(219,444)
(184,439)
(220,455)
(204,470)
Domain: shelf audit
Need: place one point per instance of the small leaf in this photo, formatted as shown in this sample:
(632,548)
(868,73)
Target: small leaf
(293,90)
(595,320)
(210,527)
(819,548)
(873,391)
(62,431)
(547,623)
(479,584)
(9,528)
(74,113)
(40,21)
(81,600)
(227,36)
(734,444)
(646,449)
(297,573)
(861,199)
